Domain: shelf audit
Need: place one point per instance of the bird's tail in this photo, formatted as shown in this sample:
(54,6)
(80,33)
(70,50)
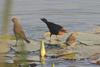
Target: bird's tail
(27,41)
(44,20)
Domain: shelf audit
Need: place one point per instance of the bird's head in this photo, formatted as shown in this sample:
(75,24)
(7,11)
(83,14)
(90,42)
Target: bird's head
(14,19)
(43,19)
(75,33)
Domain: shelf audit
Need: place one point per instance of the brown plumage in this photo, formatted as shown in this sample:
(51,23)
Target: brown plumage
(72,39)
(18,31)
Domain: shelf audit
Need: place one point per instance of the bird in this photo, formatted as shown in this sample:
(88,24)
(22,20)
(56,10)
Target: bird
(18,30)
(72,39)
(54,29)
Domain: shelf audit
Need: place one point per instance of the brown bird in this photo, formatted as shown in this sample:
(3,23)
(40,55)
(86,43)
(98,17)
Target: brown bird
(72,39)
(18,31)
(54,29)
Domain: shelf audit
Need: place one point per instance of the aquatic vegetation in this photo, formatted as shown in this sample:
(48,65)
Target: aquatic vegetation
(8,37)
(53,65)
(42,52)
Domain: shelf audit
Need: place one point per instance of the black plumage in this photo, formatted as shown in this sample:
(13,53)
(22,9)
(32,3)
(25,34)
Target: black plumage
(53,28)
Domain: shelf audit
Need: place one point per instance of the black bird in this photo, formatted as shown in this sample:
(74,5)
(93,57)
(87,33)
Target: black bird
(18,31)
(54,29)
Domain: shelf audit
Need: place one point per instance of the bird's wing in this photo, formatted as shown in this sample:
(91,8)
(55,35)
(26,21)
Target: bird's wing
(68,38)
(54,28)
(24,37)
(22,34)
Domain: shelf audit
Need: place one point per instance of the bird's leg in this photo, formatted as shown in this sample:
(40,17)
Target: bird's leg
(16,40)
(50,39)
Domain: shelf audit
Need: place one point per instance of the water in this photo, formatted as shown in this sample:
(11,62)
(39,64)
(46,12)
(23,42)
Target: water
(74,15)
